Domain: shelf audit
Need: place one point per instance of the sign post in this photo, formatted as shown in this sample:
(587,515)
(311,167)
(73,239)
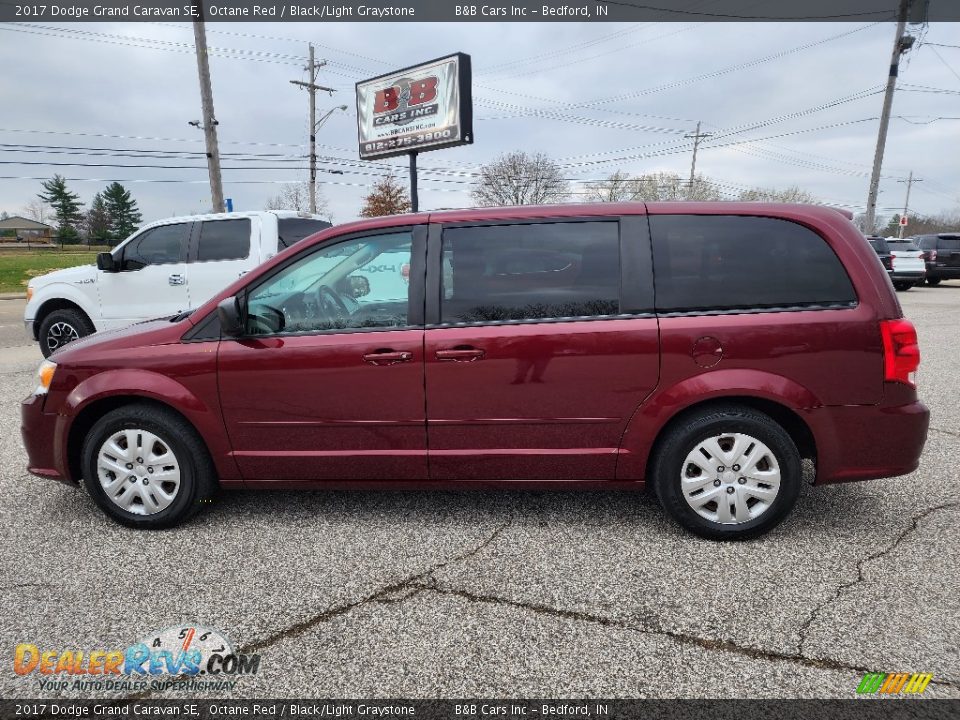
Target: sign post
(420,108)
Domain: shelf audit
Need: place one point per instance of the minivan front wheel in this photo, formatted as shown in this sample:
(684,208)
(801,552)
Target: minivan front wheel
(61,327)
(728,472)
(147,467)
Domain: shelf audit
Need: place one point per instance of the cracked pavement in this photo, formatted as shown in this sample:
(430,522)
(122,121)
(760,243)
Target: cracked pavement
(509,594)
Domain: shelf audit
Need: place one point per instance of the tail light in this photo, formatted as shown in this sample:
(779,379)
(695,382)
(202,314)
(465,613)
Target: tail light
(901,353)
(405,272)
(931,255)
(887,262)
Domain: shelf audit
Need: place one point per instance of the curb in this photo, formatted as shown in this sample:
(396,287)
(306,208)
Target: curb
(13,296)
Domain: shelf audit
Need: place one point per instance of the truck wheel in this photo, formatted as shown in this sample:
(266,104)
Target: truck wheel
(727,473)
(61,327)
(902,286)
(933,281)
(146,467)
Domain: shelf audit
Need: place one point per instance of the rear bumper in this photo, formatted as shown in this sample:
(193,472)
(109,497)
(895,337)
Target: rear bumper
(943,272)
(908,275)
(864,442)
(38,430)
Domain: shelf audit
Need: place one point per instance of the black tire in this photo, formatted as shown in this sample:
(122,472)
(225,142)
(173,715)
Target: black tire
(933,281)
(198,481)
(902,285)
(688,433)
(57,326)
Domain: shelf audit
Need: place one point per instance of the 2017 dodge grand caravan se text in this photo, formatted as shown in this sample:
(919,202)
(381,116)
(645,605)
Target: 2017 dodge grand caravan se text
(700,349)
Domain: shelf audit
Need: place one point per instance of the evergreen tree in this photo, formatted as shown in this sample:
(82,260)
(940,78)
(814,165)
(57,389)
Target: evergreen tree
(124,214)
(66,207)
(97,221)
(387,198)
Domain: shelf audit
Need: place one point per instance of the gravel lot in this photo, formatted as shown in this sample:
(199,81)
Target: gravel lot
(510,594)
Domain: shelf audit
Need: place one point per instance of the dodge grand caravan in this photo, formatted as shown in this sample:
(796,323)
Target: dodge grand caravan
(701,350)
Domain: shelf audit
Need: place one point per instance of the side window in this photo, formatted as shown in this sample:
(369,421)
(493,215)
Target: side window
(729,262)
(358,283)
(530,272)
(949,244)
(293,230)
(224,240)
(159,246)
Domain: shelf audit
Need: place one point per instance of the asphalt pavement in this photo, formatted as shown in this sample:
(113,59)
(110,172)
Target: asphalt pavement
(507,593)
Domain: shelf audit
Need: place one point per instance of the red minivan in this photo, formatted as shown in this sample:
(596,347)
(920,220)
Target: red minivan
(704,349)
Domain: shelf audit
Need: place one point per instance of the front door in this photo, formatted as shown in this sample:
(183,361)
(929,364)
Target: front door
(533,364)
(328,382)
(151,282)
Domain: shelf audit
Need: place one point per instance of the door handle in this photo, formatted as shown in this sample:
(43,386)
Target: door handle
(177,280)
(387,357)
(461,354)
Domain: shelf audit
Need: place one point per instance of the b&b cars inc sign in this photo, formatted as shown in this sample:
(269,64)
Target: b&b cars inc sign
(424,107)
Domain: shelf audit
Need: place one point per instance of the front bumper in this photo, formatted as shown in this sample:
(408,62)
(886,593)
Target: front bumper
(38,430)
(863,442)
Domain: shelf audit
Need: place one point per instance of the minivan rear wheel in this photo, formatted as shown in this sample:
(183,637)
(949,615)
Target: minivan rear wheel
(146,467)
(728,472)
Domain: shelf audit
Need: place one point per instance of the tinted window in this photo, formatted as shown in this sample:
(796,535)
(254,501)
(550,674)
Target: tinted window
(293,230)
(359,283)
(729,262)
(224,240)
(158,246)
(908,245)
(948,244)
(879,244)
(529,272)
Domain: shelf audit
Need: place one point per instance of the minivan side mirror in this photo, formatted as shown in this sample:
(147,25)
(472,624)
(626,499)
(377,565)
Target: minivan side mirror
(231,319)
(107,262)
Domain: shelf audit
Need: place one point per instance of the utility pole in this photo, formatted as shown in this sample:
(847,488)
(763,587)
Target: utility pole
(901,44)
(906,203)
(693,165)
(312,88)
(209,119)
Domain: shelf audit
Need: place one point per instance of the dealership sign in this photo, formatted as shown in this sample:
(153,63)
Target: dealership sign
(424,107)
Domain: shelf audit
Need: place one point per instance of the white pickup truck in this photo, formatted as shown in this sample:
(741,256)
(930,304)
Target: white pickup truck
(164,268)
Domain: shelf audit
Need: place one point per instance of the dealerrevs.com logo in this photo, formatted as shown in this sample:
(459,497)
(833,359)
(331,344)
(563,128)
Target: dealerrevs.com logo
(188,657)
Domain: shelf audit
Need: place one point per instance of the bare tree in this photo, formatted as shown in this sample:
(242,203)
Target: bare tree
(388,197)
(653,187)
(792,194)
(296,196)
(37,210)
(520,179)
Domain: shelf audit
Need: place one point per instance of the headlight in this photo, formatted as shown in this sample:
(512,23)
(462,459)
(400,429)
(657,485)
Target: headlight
(45,377)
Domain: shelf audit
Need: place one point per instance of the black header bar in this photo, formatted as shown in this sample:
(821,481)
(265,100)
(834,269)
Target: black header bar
(592,11)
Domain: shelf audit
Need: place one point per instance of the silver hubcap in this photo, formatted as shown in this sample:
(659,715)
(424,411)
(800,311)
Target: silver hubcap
(61,333)
(138,471)
(730,478)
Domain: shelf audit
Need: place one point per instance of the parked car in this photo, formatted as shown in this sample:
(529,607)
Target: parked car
(164,268)
(701,349)
(909,266)
(942,256)
(880,247)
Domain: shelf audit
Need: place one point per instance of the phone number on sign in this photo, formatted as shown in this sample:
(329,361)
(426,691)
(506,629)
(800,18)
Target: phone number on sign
(408,141)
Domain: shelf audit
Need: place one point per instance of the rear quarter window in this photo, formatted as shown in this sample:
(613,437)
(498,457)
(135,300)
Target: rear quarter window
(224,240)
(710,263)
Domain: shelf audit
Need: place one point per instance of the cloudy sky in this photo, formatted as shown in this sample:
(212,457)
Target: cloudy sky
(595,97)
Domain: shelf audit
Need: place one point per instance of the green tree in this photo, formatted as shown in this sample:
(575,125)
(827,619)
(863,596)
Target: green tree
(792,194)
(66,208)
(97,221)
(122,209)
